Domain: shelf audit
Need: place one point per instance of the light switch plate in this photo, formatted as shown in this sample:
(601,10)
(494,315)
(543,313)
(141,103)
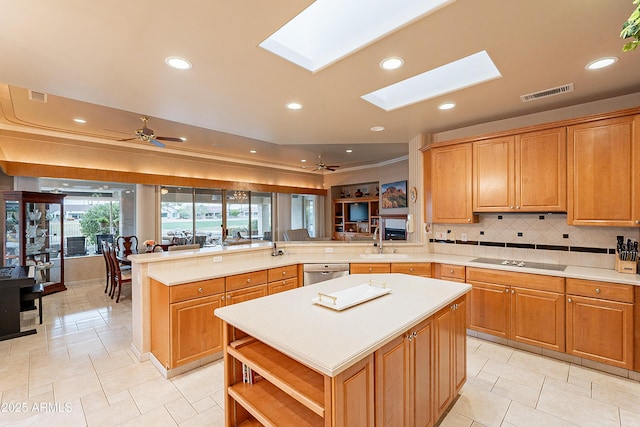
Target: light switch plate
(328,250)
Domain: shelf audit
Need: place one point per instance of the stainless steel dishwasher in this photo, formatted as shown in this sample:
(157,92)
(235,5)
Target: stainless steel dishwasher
(314,273)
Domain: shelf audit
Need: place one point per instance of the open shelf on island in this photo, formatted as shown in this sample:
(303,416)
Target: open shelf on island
(303,384)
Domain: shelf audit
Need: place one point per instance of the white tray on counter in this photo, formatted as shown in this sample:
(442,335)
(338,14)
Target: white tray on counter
(352,296)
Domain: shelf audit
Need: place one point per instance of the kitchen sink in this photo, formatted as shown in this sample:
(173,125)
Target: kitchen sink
(384,256)
(521,264)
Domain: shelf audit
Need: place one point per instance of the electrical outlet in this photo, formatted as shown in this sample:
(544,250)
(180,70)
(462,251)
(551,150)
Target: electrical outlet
(328,250)
(217,259)
(440,235)
(463,237)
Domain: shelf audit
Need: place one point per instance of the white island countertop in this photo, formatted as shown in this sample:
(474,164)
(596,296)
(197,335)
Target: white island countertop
(330,341)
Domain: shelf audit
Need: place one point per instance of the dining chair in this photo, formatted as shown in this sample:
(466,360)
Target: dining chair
(107,262)
(127,245)
(118,277)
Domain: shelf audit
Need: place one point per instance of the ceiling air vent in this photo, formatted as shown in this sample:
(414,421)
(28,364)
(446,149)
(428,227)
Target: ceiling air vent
(547,93)
(37,96)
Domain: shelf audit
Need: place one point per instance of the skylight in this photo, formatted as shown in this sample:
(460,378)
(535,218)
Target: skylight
(329,30)
(469,71)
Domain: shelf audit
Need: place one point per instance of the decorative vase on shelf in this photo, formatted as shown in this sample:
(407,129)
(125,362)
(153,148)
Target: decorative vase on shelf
(358,193)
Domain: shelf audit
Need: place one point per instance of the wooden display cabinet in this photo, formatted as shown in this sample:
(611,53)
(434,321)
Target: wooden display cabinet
(34,235)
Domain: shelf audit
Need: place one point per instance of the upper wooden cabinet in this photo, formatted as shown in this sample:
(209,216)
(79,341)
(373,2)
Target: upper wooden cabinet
(604,173)
(521,173)
(451,190)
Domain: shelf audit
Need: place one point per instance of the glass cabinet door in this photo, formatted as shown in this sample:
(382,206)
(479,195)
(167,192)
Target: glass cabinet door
(12,233)
(42,240)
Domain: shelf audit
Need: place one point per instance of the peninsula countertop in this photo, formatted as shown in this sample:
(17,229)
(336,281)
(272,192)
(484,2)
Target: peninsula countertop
(330,341)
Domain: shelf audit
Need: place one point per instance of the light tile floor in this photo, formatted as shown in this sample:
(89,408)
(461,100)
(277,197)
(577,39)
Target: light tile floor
(79,370)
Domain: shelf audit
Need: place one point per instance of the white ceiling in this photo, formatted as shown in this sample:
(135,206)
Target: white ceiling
(104,62)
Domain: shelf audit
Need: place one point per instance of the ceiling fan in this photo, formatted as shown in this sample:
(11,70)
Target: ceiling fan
(321,165)
(147,135)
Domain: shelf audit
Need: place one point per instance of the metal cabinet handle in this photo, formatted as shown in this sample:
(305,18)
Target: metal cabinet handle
(200,290)
(411,269)
(468,219)
(511,207)
(569,300)
(284,273)
(506,290)
(637,221)
(248,280)
(451,271)
(512,292)
(598,290)
(370,269)
(222,298)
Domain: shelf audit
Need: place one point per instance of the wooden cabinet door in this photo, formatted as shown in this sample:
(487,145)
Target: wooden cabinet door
(246,294)
(282,285)
(369,268)
(392,378)
(459,344)
(541,171)
(537,318)
(443,358)
(354,395)
(421,369)
(494,175)
(451,184)
(603,166)
(489,308)
(195,331)
(600,330)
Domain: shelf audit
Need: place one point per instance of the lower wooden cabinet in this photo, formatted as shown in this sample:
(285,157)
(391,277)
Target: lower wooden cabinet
(527,308)
(404,375)
(368,268)
(282,285)
(451,272)
(354,398)
(600,322)
(415,269)
(183,325)
(450,354)
(246,294)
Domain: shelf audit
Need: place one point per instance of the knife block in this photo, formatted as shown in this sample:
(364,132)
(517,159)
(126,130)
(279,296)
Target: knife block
(629,267)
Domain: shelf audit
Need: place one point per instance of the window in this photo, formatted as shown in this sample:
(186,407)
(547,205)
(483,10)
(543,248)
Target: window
(213,217)
(93,209)
(304,213)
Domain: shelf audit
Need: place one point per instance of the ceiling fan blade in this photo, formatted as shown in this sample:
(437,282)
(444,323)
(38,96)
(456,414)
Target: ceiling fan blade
(170,139)
(157,143)
(333,166)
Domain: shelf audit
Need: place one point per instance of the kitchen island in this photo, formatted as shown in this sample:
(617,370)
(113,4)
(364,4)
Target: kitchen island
(393,360)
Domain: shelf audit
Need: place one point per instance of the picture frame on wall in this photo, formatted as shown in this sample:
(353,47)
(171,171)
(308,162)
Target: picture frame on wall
(394,195)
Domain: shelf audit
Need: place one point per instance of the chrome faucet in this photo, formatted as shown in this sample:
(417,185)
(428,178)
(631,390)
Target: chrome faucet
(378,233)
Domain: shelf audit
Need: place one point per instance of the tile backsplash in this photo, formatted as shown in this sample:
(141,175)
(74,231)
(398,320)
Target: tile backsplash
(532,237)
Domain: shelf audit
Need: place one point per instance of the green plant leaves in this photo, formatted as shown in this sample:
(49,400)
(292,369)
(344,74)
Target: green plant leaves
(631,28)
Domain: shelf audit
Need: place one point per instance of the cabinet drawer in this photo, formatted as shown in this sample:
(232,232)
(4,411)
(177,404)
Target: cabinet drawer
(602,290)
(456,272)
(367,268)
(282,285)
(286,272)
(417,269)
(538,282)
(240,281)
(203,288)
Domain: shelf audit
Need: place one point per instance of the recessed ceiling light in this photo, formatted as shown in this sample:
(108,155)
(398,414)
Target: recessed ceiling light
(601,63)
(446,106)
(303,160)
(349,151)
(329,30)
(377,129)
(294,106)
(79,120)
(253,151)
(392,63)
(465,72)
(177,62)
